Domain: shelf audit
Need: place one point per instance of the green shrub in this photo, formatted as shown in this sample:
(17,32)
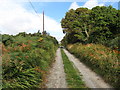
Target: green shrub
(25,61)
(114,43)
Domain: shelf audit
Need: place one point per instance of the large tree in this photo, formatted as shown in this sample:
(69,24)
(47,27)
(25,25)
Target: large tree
(76,23)
(96,25)
(105,20)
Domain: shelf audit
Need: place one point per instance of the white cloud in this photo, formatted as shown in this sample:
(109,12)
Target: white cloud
(14,18)
(89,4)
(74,6)
(92,3)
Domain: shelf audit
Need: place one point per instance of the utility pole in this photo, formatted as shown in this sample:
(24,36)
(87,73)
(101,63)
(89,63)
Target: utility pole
(43,23)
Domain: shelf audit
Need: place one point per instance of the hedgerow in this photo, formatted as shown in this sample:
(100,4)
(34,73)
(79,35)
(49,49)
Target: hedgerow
(26,60)
(103,60)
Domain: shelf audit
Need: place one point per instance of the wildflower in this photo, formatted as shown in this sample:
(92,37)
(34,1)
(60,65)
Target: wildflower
(26,56)
(40,39)
(115,51)
(23,45)
(91,55)
(16,56)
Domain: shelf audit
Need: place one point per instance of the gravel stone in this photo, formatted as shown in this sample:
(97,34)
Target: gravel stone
(56,78)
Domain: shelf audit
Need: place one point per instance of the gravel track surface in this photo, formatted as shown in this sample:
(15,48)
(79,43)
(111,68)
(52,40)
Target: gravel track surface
(56,78)
(92,80)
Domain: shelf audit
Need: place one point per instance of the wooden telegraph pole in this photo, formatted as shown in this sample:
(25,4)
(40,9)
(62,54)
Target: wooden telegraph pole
(43,23)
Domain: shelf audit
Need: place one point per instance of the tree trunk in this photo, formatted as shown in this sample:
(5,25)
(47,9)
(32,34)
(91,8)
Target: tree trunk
(86,31)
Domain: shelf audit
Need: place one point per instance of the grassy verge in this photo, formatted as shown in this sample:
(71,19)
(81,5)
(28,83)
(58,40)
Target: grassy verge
(72,76)
(26,59)
(100,59)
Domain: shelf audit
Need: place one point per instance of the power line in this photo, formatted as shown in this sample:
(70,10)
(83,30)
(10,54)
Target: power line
(43,22)
(33,7)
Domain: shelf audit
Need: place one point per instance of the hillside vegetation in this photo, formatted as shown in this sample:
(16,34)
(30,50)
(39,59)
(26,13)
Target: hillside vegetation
(100,59)
(93,35)
(26,59)
(100,25)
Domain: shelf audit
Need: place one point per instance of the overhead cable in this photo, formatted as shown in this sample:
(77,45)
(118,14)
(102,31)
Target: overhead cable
(33,7)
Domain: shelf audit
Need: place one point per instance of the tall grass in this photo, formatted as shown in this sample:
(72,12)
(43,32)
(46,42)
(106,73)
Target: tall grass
(25,62)
(101,59)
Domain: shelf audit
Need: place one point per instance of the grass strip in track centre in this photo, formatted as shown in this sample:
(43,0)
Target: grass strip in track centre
(72,76)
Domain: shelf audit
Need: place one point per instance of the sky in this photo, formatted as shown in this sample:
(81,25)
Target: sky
(19,16)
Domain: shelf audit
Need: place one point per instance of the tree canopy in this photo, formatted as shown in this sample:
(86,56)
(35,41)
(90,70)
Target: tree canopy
(94,25)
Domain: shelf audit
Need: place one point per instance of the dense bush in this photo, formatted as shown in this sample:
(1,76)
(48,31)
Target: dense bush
(101,59)
(26,60)
(97,25)
(114,43)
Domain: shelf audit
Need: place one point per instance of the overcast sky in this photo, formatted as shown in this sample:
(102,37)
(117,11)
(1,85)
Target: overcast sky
(18,16)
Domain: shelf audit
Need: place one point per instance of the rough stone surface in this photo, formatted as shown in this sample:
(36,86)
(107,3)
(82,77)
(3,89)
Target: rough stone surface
(56,78)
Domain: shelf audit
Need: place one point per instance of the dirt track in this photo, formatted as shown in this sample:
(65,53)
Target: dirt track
(92,80)
(56,78)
